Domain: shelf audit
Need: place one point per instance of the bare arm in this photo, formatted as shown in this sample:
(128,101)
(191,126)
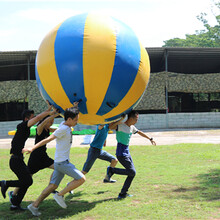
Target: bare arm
(114,125)
(52,129)
(40,127)
(39,144)
(37,118)
(75,104)
(145,136)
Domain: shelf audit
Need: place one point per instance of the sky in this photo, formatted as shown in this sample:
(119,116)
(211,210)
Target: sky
(24,24)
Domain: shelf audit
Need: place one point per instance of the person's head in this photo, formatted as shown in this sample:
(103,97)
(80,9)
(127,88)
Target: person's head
(71,116)
(133,117)
(27,114)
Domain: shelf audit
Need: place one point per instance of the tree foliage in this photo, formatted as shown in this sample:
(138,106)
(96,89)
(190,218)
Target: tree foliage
(209,37)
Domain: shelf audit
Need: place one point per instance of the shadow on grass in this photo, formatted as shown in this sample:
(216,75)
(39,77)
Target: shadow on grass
(100,192)
(209,187)
(51,210)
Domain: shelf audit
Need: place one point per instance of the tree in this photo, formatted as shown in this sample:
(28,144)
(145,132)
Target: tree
(209,37)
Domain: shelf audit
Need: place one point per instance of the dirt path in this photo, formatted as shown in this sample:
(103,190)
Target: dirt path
(165,137)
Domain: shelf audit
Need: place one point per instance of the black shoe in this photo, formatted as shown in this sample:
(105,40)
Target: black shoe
(17,208)
(3,188)
(123,195)
(54,192)
(109,173)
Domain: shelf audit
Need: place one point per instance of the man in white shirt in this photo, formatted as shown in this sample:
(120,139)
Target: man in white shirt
(62,166)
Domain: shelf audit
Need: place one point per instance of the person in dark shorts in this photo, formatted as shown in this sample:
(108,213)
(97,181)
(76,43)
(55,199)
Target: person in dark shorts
(17,164)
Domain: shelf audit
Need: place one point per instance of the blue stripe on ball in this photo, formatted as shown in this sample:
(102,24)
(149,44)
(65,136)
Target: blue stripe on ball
(69,58)
(125,68)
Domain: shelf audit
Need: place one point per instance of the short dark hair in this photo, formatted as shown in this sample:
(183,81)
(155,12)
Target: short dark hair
(27,113)
(71,113)
(133,114)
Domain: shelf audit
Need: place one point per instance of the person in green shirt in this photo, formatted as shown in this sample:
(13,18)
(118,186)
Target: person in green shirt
(123,135)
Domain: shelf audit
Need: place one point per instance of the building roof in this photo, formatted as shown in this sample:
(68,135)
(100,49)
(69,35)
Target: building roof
(170,59)
(185,60)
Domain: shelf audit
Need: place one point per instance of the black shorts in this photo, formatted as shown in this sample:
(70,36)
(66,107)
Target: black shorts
(38,162)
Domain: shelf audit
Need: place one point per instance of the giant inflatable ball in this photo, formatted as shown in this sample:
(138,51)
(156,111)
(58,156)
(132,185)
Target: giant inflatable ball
(96,60)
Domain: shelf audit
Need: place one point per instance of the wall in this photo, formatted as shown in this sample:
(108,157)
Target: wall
(179,120)
(153,98)
(148,122)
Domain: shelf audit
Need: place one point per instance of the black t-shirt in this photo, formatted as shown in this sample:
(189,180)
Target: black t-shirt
(21,135)
(38,138)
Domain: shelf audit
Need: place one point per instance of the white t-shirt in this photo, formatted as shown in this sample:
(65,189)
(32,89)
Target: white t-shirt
(63,142)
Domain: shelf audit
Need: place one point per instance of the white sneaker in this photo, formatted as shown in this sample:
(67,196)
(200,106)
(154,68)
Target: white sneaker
(71,192)
(60,201)
(34,210)
(109,180)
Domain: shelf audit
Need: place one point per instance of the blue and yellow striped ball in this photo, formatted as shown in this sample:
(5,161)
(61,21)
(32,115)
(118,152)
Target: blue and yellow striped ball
(95,59)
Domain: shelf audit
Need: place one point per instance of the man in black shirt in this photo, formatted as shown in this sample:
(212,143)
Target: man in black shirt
(16,162)
(39,159)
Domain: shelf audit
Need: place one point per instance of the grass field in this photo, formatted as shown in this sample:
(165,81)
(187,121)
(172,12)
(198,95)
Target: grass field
(172,182)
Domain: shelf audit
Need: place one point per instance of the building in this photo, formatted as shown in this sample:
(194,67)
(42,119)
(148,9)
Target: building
(183,91)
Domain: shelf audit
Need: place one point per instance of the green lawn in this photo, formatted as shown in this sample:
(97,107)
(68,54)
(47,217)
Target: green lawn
(172,182)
